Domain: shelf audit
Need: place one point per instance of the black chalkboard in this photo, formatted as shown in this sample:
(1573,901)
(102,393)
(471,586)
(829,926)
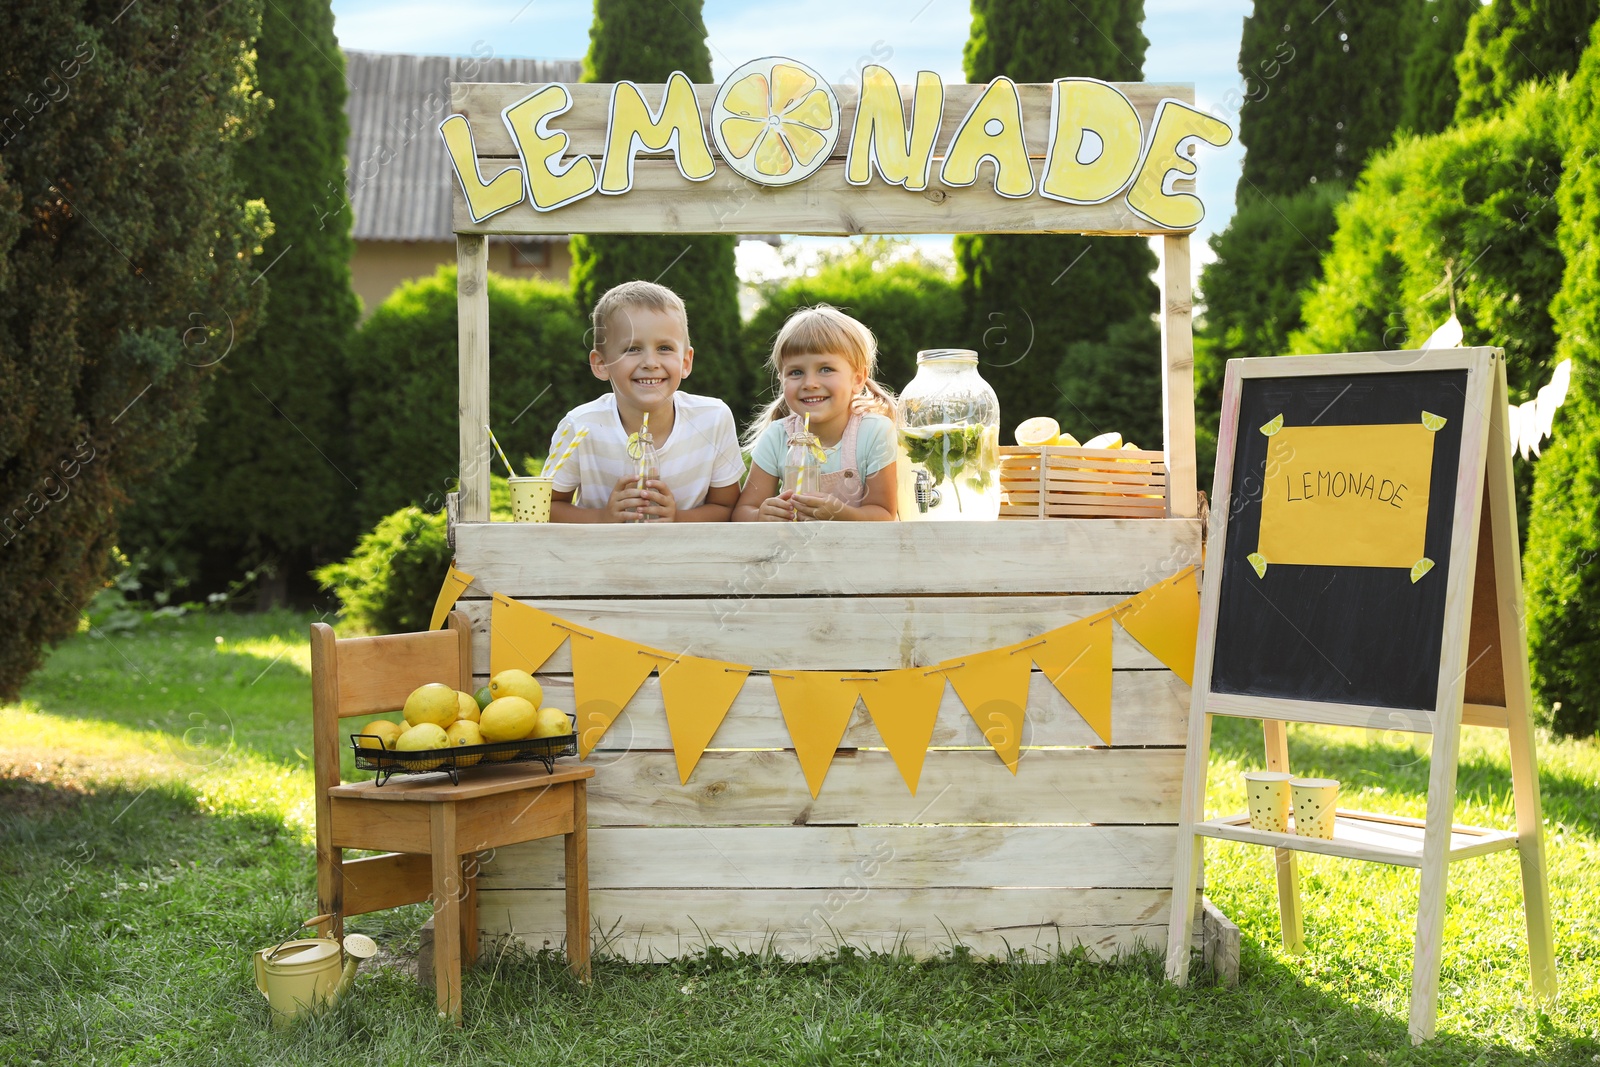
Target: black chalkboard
(1346,635)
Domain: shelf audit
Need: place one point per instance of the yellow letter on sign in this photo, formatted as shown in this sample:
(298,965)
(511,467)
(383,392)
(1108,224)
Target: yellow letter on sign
(676,127)
(992,130)
(1095,138)
(484,199)
(880,138)
(1176,123)
(541,149)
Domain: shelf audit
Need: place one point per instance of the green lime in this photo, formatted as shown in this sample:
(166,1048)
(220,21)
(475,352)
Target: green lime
(482,697)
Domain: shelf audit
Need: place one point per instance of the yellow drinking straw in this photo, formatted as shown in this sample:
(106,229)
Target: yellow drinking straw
(572,446)
(500,450)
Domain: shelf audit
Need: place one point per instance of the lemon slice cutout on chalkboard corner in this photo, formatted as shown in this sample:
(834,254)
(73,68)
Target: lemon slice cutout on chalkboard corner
(1259,562)
(1273,427)
(1419,568)
(1433,422)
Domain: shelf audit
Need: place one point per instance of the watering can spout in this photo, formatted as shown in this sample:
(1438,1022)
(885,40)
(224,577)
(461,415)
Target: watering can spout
(357,947)
(347,978)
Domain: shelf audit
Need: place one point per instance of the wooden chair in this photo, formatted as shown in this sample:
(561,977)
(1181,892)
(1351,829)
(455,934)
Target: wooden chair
(426,824)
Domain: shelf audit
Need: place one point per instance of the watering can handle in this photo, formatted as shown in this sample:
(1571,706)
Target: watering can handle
(318,920)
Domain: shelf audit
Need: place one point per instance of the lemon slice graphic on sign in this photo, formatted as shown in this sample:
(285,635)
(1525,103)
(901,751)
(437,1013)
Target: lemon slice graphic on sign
(1433,422)
(775,121)
(1419,568)
(1273,427)
(1259,562)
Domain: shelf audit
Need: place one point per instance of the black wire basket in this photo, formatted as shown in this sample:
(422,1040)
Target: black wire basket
(387,762)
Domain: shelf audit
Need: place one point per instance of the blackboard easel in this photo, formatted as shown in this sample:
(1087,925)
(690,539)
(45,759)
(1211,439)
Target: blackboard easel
(1322,639)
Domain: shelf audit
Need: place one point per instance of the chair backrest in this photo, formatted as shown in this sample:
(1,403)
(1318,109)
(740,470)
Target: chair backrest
(363,675)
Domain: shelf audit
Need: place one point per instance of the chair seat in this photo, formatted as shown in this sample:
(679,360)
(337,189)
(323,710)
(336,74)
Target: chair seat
(477,782)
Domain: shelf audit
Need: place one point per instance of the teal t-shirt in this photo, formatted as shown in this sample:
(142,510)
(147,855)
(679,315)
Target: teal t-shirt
(874,448)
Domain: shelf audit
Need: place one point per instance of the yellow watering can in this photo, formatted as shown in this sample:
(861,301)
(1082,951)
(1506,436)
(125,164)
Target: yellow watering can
(298,976)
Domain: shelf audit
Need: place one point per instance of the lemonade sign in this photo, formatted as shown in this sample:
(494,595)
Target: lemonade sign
(776,122)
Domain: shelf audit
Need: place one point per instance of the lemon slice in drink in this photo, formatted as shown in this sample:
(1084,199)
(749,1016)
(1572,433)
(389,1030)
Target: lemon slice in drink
(1040,430)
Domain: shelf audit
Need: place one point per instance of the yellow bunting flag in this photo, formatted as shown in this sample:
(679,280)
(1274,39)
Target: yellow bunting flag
(455,583)
(816,708)
(697,694)
(994,687)
(521,636)
(1165,619)
(904,706)
(606,672)
(1077,660)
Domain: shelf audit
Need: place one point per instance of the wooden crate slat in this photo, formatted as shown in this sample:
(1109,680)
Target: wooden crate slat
(781,857)
(1067,482)
(768,788)
(585,124)
(822,633)
(1147,708)
(646,924)
(823,559)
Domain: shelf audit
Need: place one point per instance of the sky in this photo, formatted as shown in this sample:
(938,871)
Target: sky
(1191,41)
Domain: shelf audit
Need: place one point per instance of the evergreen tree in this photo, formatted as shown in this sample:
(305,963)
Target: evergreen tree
(1562,562)
(1325,88)
(1514,41)
(1431,89)
(644,41)
(270,482)
(1029,297)
(123,234)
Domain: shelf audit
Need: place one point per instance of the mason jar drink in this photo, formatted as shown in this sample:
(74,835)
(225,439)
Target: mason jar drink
(949,437)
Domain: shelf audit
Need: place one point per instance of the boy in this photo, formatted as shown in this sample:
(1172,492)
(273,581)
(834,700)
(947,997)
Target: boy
(641,346)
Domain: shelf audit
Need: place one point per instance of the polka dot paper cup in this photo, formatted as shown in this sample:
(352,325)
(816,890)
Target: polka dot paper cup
(1314,806)
(530,499)
(1268,793)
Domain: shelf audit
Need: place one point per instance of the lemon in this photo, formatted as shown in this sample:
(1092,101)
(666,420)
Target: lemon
(775,121)
(507,719)
(1110,439)
(1129,446)
(462,733)
(1068,440)
(423,737)
(1433,422)
(432,703)
(467,709)
(1419,568)
(552,722)
(515,683)
(1037,431)
(385,731)
(1273,427)
(1259,562)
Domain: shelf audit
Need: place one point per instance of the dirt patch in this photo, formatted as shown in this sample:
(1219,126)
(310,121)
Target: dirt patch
(25,792)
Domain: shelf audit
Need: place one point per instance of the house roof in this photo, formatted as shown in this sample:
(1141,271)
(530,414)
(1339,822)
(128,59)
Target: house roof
(398,174)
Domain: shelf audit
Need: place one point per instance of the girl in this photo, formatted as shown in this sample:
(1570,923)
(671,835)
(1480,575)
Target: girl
(824,360)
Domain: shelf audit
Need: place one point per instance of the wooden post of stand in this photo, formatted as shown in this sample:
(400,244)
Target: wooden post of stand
(472,335)
(1177,377)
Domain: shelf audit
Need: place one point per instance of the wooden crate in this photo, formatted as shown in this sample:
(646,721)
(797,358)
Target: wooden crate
(1060,482)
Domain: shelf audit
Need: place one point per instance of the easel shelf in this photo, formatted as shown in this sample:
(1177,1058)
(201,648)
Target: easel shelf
(1361,835)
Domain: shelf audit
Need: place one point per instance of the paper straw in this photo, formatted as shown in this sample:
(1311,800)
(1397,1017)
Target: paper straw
(571,447)
(500,450)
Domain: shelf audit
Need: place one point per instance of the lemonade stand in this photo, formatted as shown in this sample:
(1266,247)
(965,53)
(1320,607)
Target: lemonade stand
(908,734)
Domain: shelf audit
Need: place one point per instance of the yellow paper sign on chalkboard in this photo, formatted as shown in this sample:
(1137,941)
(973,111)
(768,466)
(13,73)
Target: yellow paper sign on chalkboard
(1347,496)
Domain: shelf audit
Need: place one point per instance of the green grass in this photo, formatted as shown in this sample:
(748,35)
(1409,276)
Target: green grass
(154,823)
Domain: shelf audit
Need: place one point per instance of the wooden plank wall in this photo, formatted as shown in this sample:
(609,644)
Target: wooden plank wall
(1075,849)
(662,201)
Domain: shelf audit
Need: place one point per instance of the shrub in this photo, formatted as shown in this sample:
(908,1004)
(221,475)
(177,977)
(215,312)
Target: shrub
(1563,556)
(404,384)
(391,581)
(907,301)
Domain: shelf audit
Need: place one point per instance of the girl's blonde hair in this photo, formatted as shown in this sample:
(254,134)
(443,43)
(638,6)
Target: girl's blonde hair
(825,330)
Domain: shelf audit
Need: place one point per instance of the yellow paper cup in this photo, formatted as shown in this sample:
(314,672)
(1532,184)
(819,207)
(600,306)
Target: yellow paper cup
(1269,800)
(530,498)
(1314,806)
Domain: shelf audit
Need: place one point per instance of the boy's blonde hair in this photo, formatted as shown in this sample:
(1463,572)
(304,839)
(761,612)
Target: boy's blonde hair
(825,330)
(647,295)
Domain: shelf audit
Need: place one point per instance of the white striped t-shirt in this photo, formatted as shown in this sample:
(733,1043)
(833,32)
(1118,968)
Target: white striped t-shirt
(702,451)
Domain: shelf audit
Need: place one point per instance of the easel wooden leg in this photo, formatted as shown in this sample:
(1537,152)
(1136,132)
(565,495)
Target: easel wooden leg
(1429,947)
(446,910)
(1190,858)
(1277,743)
(577,847)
